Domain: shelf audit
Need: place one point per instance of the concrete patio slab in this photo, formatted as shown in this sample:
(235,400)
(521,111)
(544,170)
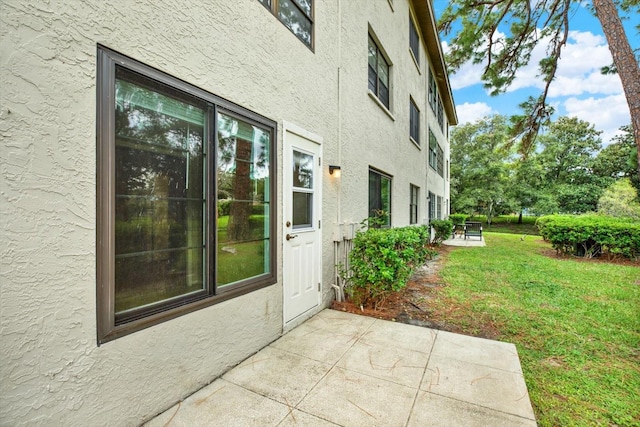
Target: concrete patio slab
(341,369)
(469,242)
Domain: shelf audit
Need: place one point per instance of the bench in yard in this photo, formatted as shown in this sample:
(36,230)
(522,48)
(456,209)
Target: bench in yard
(473,229)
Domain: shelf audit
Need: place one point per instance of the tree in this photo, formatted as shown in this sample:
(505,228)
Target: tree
(525,24)
(567,154)
(619,200)
(478,168)
(618,159)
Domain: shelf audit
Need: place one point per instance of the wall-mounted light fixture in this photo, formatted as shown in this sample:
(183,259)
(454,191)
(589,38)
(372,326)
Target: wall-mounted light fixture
(334,170)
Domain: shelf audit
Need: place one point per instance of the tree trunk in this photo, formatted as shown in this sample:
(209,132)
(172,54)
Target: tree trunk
(238,228)
(624,60)
(520,217)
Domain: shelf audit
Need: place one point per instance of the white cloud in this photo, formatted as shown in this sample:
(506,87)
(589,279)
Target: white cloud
(607,114)
(470,112)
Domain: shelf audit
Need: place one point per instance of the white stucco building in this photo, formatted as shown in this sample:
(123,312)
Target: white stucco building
(167,207)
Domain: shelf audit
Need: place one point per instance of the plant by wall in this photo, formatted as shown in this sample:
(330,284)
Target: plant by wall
(382,261)
(591,235)
(443,229)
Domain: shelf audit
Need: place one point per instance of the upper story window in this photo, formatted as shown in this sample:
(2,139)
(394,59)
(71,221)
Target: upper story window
(414,41)
(414,122)
(433,90)
(296,15)
(440,162)
(185,184)
(433,150)
(380,197)
(440,114)
(378,73)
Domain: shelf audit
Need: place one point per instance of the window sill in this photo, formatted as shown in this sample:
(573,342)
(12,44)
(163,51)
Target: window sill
(381,105)
(416,143)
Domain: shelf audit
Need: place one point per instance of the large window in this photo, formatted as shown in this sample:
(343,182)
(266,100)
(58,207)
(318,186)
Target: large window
(296,15)
(413,204)
(378,73)
(414,122)
(439,208)
(414,40)
(440,162)
(185,184)
(380,197)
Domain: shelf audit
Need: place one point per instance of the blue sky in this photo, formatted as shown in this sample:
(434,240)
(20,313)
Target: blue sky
(579,90)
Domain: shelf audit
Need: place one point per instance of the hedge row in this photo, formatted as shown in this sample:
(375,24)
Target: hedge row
(382,261)
(591,235)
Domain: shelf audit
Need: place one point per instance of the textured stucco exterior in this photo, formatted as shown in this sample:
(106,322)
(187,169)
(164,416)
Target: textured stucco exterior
(52,371)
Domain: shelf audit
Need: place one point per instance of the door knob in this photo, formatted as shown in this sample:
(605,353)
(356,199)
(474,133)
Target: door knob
(291,236)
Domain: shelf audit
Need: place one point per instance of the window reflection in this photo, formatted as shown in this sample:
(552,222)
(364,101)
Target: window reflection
(159,200)
(243,200)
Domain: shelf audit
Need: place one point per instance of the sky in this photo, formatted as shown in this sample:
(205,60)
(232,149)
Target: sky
(579,89)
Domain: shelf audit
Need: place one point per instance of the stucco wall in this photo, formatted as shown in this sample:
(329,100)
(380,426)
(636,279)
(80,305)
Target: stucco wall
(52,371)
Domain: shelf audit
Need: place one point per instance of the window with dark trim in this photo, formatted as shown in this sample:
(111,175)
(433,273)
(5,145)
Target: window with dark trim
(414,40)
(433,90)
(414,121)
(185,184)
(296,15)
(378,73)
(413,204)
(440,114)
(433,150)
(432,206)
(380,197)
(439,208)
(440,162)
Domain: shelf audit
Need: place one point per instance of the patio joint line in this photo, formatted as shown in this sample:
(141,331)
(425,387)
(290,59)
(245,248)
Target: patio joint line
(424,372)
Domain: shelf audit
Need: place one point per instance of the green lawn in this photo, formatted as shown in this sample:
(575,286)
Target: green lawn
(509,224)
(576,325)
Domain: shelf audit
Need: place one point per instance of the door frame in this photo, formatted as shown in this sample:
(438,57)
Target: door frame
(287,128)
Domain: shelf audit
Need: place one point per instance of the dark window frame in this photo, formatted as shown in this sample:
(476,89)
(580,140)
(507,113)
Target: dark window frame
(380,176)
(274,7)
(414,121)
(375,82)
(439,207)
(432,206)
(433,150)
(433,92)
(108,328)
(440,161)
(414,197)
(414,40)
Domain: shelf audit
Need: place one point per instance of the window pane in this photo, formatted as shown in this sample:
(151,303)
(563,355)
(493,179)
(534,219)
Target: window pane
(380,197)
(414,40)
(159,199)
(302,170)
(295,20)
(383,71)
(243,200)
(305,5)
(302,210)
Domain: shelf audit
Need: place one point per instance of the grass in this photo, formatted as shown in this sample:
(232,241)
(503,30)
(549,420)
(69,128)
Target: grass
(576,325)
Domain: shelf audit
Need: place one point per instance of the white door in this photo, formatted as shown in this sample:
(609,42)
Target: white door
(302,212)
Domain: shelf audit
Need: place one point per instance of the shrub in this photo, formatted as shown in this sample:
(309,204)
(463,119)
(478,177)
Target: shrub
(457,218)
(382,261)
(591,235)
(443,229)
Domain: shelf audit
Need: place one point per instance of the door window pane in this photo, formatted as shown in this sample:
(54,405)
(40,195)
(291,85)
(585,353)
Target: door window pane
(302,210)
(302,170)
(159,199)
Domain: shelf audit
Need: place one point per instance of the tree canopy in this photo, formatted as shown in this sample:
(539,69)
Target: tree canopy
(501,34)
